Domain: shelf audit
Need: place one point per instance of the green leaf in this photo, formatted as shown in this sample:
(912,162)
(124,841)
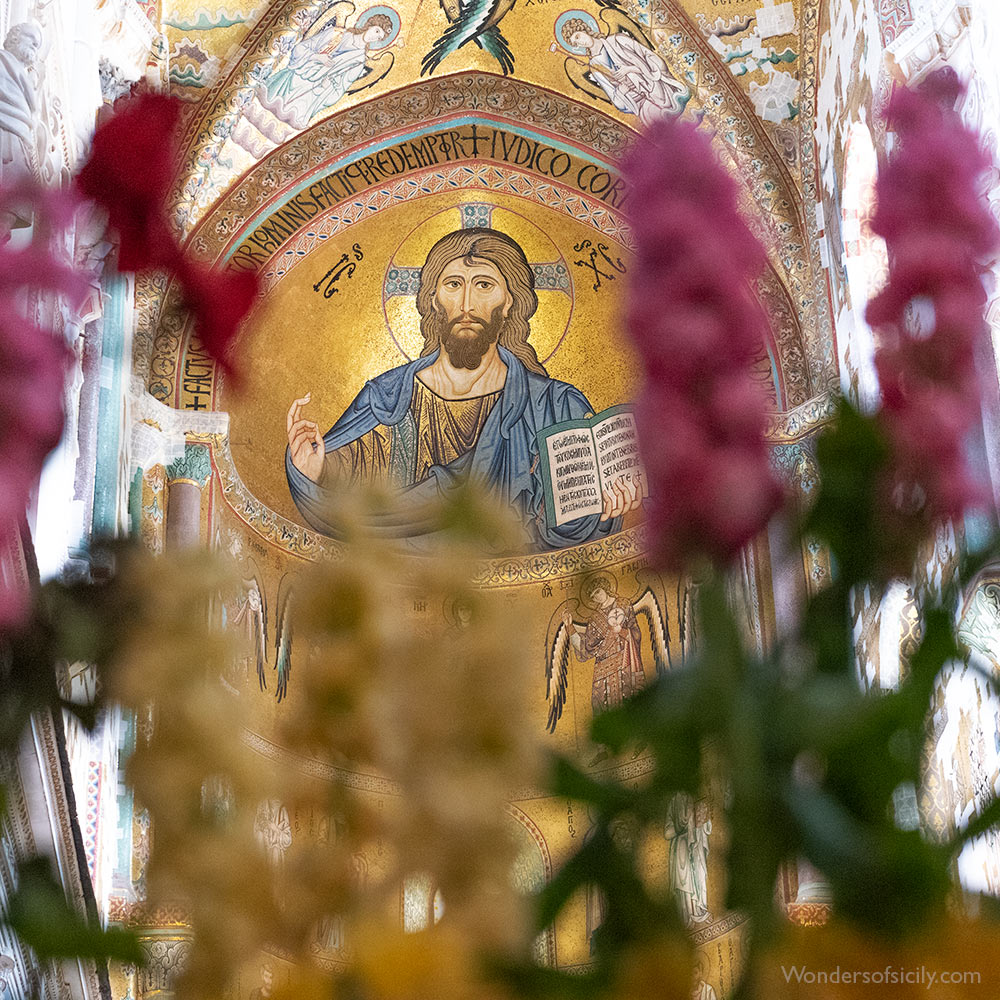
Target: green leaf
(850,457)
(881,877)
(38,913)
(630,722)
(826,627)
(572,783)
(985,821)
(937,647)
(585,867)
(85,714)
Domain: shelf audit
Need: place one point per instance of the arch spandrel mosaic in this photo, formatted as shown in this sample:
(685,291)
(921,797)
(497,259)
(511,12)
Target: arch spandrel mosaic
(330,158)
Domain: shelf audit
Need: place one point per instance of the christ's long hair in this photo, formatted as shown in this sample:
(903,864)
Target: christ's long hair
(508,258)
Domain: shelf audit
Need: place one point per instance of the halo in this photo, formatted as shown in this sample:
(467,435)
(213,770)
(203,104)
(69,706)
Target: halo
(604,580)
(391,14)
(552,278)
(567,15)
(452,606)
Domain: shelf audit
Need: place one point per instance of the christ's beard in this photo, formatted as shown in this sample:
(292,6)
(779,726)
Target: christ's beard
(466,339)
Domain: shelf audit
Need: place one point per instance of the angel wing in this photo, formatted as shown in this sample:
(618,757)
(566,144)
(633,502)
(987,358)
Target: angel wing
(376,67)
(557,676)
(557,649)
(658,603)
(686,625)
(578,74)
(617,21)
(337,13)
(283,637)
(255,610)
(477,22)
(648,606)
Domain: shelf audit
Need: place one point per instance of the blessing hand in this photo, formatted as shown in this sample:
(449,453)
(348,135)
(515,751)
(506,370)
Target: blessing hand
(305,443)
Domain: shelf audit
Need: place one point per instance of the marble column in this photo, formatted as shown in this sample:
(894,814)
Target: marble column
(187,476)
(165,950)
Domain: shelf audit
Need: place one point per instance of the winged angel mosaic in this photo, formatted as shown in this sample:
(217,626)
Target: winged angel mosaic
(331,58)
(619,65)
(603,626)
(252,615)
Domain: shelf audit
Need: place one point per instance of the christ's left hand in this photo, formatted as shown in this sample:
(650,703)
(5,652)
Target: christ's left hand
(625,495)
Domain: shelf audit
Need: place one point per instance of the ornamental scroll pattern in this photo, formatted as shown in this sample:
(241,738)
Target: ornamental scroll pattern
(686,53)
(782,208)
(894,17)
(165,955)
(487,176)
(815,315)
(786,329)
(423,103)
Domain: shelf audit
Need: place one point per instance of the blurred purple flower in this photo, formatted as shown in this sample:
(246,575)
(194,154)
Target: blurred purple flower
(938,231)
(696,325)
(129,173)
(33,361)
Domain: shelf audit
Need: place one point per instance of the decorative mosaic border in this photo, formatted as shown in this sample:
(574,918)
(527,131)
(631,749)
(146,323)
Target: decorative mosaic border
(142,914)
(484,176)
(804,419)
(423,102)
(816,308)
(504,572)
(466,176)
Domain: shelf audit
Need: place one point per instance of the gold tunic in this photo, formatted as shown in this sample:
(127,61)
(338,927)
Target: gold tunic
(445,429)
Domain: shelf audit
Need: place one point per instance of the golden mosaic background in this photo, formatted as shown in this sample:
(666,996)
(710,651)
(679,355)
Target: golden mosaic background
(747,82)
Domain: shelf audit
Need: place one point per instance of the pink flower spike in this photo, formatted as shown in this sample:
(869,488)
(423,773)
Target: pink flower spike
(33,365)
(929,316)
(220,300)
(696,325)
(128,173)
(33,361)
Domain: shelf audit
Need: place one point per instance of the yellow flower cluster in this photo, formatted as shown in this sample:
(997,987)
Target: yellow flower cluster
(190,770)
(434,705)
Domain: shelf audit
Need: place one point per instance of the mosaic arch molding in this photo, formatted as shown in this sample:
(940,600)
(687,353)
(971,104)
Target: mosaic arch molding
(512,128)
(774,199)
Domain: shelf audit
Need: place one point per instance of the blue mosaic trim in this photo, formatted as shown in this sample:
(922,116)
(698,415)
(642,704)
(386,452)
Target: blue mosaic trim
(406,280)
(109,414)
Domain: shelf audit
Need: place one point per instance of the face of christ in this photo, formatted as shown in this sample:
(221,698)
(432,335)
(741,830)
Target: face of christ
(471,302)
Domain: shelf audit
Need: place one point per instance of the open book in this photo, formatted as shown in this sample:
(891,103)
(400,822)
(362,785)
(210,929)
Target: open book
(580,459)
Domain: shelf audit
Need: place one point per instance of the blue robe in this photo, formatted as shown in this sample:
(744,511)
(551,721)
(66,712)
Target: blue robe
(503,460)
